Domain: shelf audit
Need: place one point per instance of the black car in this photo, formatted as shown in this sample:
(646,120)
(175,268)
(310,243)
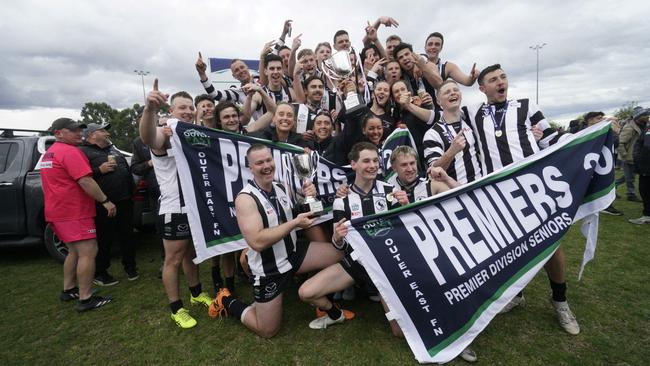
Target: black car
(22,218)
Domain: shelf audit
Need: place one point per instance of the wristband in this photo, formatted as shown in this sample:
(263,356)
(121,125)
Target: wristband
(104,201)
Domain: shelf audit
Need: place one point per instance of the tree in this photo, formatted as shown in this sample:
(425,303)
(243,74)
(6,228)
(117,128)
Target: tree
(626,111)
(123,129)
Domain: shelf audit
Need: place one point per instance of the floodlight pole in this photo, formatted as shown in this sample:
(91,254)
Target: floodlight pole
(536,48)
(142,75)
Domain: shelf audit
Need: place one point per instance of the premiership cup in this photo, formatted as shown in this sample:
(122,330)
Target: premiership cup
(304,167)
(338,67)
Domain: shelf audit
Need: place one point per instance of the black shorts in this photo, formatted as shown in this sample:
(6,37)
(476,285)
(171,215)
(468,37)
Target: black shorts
(267,288)
(174,226)
(355,270)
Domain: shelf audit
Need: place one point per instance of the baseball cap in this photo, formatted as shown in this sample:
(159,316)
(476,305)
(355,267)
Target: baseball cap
(641,113)
(66,123)
(93,127)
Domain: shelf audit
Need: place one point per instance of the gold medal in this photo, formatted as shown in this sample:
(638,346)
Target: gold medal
(498,133)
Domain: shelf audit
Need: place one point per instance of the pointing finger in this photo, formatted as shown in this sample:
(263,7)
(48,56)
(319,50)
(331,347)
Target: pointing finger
(200,56)
(155,84)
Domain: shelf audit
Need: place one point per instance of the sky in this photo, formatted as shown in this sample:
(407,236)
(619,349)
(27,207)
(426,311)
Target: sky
(57,55)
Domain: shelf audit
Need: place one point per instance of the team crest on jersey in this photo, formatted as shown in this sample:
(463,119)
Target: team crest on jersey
(284,201)
(354,207)
(197,138)
(380,205)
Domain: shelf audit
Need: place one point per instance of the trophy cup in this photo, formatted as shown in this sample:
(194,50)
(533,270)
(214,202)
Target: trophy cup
(338,67)
(304,166)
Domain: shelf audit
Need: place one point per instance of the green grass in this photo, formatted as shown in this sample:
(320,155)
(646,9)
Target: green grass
(612,304)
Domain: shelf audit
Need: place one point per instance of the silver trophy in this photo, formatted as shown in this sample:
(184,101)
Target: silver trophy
(338,67)
(303,166)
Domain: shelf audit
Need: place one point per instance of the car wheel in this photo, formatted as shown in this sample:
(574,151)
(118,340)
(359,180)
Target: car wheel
(57,248)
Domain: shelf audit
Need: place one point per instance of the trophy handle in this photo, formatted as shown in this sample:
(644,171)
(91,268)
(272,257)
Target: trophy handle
(315,157)
(288,176)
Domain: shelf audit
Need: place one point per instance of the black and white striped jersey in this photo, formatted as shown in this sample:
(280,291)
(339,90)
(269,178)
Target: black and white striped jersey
(358,204)
(504,132)
(275,209)
(466,166)
(416,191)
(235,95)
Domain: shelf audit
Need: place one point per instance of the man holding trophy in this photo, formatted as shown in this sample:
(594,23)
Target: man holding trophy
(338,68)
(267,222)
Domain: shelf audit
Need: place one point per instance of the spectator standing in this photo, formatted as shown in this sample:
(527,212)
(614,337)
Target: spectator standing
(70,192)
(626,142)
(111,171)
(642,167)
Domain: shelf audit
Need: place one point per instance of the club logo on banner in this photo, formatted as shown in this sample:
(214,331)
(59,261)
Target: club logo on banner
(448,264)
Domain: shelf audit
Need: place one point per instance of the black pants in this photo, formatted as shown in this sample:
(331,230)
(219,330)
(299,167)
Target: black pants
(119,227)
(644,189)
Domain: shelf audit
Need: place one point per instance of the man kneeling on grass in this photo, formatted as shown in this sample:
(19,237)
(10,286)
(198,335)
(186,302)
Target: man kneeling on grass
(369,196)
(266,221)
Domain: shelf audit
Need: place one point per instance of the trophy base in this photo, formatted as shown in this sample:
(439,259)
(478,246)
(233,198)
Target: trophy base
(314,206)
(352,102)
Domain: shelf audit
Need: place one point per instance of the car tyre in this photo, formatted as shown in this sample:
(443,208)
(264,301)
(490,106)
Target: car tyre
(57,248)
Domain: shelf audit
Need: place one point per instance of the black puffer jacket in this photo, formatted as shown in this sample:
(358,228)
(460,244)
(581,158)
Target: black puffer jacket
(117,185)
(642,152)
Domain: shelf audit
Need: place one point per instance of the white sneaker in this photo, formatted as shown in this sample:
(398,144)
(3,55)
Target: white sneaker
(516,301)
(325,321)
(468,355)
(565,317)
(641,220)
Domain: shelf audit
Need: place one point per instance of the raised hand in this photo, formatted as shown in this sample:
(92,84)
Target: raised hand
(379,65)
(371,33)
(296,43)
(388,21)
(156,99)
(201,67)
(473,74)
(286,29)
(268,47)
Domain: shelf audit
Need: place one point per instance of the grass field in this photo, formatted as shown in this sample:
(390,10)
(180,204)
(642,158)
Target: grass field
(612,304)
